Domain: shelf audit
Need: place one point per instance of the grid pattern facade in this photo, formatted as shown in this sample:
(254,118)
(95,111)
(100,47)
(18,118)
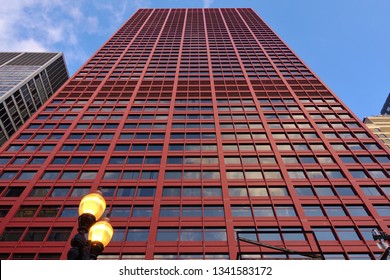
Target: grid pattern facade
(27,80)
(196,124)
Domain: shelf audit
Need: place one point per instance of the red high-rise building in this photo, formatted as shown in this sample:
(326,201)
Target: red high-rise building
(196,124)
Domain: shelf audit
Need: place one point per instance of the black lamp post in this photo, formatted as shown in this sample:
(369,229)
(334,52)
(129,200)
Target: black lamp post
(382,239)
(91,208)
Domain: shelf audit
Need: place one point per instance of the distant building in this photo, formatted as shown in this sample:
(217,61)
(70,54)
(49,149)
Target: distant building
(27,80)
(380,125)
(386,107)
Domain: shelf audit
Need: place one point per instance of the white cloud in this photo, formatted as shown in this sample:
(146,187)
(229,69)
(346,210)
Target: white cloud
(26,26)
(142,4)
(55,34)
(92,24)
(76,13)
(75,27)
(207,3)
(30,45)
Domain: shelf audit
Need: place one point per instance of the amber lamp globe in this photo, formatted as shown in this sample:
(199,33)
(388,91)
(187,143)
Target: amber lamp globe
(101,232)
(93,204)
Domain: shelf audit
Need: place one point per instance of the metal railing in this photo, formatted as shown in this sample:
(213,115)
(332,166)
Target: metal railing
(313,255)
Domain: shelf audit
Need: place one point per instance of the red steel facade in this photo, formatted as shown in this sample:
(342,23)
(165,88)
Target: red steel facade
(196,124)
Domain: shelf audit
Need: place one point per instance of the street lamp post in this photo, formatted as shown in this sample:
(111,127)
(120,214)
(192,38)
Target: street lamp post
(382,239)
(91,208)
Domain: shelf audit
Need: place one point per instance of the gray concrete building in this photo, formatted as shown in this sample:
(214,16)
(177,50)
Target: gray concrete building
(27,80)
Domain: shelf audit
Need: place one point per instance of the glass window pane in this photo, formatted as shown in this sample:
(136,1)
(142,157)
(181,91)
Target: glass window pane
(112,175)
(149,175)
(212,191)
(258,191)
(251,175)
(269,234)
(95,160)
(383,210)
(191,235)
(235,175)
(169,211)
(239,191)
(263,211)
(142,211)
(20,160)
(345,191)
(69,175)
(358,174)
(108,191)
(378,174)
(77,160)
(357,211)
(35,234)
(324,191)
(192,192)
(347,234)
(167,235)
(293,234)
(13,191)
(50,175)
(370,191)
(315,174)
(58,192)
(69,211)
(278,191)
(130,175)
(88,175)
(38,160)
(215,235)
(167,191)
(26,211)
(334,256)
(304,191)
(296,174)
(39,192)
(8,175)
(359,256)
(59,234)
(323,234)
(48,211)
(214,211)
(172,175)
(143,192)
(11,234)
(79,192)
(126,192)
(285,211)
(335,211)
(137,235)
(313,211)
(334,174)
(192,211)
(134,160)
(60,160)
(269,175)
(120,211)
(241,211)
(119,235)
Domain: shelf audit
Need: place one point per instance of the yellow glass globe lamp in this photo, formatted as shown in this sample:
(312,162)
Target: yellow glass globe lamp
(101,232)
(93,204)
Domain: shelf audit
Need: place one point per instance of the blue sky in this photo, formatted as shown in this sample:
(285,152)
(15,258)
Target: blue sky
(345,42)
